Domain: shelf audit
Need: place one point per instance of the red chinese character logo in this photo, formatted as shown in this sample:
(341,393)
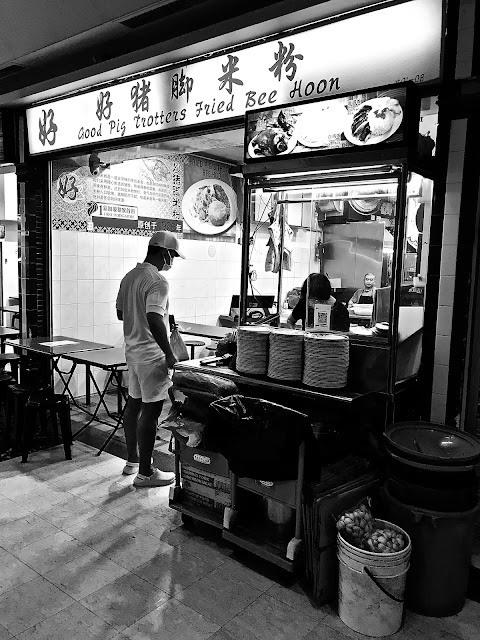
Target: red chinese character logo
(47,129)
(229,69)
(139,96)
(104,105)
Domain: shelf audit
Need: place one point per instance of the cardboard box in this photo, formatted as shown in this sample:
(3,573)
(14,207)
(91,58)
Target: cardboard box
(205,479)
(282,491)
(206,460)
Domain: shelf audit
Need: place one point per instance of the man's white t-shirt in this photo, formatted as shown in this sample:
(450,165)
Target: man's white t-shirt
(143,290)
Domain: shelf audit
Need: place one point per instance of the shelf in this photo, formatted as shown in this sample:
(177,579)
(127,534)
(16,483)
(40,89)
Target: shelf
(213,518)
(246,539)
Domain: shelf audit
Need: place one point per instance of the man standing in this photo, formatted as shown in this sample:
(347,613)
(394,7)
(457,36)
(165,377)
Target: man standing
(142,304)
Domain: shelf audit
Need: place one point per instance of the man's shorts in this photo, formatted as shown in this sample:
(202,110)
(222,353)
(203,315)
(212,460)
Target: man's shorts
(150,382)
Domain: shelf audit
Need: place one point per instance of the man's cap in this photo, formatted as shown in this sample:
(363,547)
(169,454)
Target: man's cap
(166,240)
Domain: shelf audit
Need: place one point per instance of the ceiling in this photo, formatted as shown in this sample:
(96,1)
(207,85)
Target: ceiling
(52,47)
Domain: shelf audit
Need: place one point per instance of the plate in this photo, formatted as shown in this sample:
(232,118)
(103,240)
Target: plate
(331,118)
(206,228)
(291,144)
(374,103)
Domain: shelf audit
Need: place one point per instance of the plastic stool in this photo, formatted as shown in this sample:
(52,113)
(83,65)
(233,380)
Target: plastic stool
(38,404)
(192,344)
(13,359)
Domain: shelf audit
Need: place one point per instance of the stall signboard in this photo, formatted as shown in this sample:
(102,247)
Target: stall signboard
(384,116)
(394,43)
(183,194)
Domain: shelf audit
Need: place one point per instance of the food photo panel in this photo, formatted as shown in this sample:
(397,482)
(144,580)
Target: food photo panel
(364,119)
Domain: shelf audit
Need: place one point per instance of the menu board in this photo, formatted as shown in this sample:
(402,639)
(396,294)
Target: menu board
(372,118)
(184,194)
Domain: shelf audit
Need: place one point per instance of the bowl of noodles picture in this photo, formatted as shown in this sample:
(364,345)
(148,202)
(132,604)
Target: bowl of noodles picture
(209,207)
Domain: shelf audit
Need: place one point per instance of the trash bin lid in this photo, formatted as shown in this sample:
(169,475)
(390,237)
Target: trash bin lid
(433,443)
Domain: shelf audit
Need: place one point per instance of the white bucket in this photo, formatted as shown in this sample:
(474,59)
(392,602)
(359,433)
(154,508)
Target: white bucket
(362,605)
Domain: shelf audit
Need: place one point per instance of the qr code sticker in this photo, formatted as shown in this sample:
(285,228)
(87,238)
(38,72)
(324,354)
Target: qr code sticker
(322,317)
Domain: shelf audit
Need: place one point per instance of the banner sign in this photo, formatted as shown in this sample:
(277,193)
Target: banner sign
(183,194)
(392,44)
(377,117)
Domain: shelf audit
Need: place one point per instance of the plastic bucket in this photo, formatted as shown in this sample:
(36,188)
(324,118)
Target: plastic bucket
(442,548)
(371,586)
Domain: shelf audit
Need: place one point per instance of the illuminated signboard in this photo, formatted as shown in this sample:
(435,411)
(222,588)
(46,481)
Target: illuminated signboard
(385,116)
(392,44)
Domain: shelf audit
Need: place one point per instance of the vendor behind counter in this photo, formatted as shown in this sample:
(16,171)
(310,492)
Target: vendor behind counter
(317,289)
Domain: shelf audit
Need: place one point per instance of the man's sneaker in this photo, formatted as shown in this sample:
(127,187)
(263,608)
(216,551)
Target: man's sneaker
(131,467)
(157,479)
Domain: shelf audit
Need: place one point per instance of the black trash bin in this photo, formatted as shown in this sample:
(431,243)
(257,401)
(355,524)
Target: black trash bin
(441,553)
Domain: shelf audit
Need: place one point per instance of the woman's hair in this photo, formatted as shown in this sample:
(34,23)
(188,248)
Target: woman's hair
(318,286)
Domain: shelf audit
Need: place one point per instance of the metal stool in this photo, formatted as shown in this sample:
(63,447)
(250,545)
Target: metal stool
(59,406)
(192,344)
(13,359)
(5,381)
(17,397)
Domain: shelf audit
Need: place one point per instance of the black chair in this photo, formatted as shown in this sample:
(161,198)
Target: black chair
(13,360)
(40,404)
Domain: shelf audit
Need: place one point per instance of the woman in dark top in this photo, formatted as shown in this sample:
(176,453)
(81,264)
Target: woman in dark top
(319,291)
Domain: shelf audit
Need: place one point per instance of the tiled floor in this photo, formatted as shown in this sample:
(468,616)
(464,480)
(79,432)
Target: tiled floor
(83,555)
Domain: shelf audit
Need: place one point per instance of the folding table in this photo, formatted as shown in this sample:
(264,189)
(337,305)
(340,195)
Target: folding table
(110,360)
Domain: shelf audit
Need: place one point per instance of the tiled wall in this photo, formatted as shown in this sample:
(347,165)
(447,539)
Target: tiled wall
(87,269)
(466,33)
(448,269)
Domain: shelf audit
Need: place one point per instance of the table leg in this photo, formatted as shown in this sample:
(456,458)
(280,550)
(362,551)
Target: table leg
(2,346)
(87,384)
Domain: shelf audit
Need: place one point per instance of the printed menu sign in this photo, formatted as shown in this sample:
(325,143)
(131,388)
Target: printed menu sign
(374,117)
(394,43)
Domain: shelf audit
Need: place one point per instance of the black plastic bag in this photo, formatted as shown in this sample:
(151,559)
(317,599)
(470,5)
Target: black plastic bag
(260,439)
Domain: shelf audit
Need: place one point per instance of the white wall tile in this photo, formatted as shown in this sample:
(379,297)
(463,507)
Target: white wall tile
(56,318)
(442,350)
(200,307)
(129,264)
(114,286)
(56,267)
(101,268)
(56,242)
(116,245)
(85,267)
(439,403)
(56,297)
(100,244)
(452,199)
(444,321)
(458,132)
(68,292)
(68,315)
(85,244)
(85,291)
(178,308)
(455,166)
(447,289)
(142,247)
(210,289)
(130,247)
(68,268)
(116,268)
(85,315)
(448,265)
(100,334)
(450,230)
(102,313)
(101,291)
(85,333)
(115,334)
(69,243)
(440,379)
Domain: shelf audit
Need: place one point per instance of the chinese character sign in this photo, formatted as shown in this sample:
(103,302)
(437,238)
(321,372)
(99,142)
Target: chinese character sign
(287,69)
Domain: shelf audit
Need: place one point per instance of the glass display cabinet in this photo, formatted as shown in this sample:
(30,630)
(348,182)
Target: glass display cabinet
(337,237)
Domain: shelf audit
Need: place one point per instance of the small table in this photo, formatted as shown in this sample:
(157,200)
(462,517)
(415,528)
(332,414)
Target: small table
(110,360)
(54,347)
(5,333)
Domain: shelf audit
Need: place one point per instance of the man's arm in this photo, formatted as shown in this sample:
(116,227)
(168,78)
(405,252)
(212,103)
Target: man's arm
(159,332)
